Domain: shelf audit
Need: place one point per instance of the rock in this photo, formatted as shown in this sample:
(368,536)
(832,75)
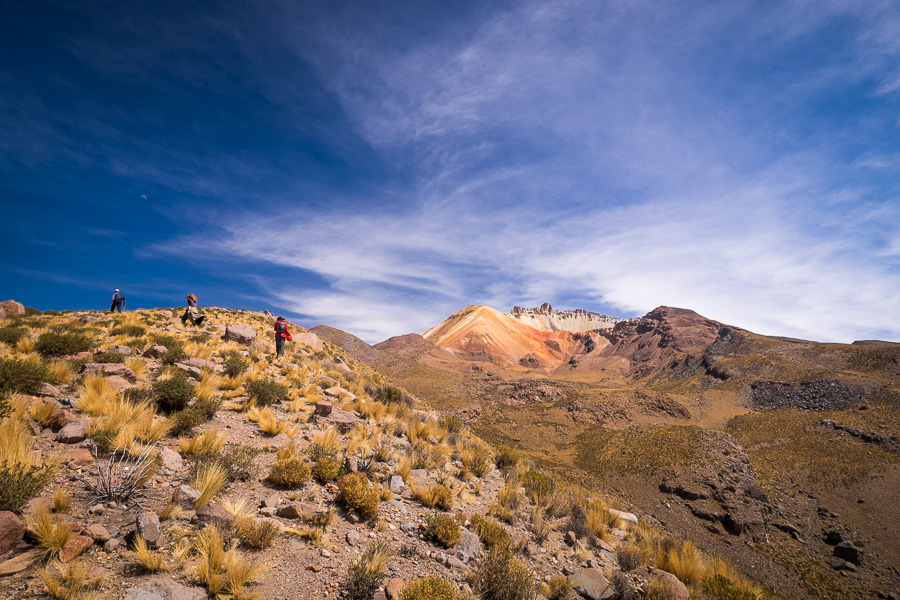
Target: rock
(314,568)
(111,545)
(170,459)
(107,369)
(591,584)
(242,334)
(214,513)
(11,307)
(835,536)
(353,537)
(835,563)
(60,418)
(148,527)
(192,372)
(72,433)
(20,562)
(165,591)
(98,533)
(155,351)
(268,511)
(393,587)
(847,551)
(309,339)
(339,392)
(279,441)
(455,563)
(677,590)
(418,478)
(118,383)
(570,538)
(323,409)
(271,502)
(74,548)
(189,495)
(469,545)
(203,364)
(344,420)
(397,484)
(49,391)
(292,510)
(12,531)
(121,350)
(624,516)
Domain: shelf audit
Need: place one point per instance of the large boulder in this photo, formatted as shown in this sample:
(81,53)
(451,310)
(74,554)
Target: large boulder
(344,420)
(109,369)
(11,307)
(591,584)
(309,339)
(73,433)
(12,531)
(242,334)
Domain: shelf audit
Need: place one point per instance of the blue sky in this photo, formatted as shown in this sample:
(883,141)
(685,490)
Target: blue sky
(377,166)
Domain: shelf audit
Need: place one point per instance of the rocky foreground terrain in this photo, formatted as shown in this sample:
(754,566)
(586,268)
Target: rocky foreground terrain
(146,460)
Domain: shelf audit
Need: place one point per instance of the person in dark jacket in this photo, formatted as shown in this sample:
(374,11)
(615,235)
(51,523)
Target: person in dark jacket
(117,302)
(192,313)
(281,334)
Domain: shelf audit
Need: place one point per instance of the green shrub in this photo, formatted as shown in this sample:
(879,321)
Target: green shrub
(326,469)
(22,376)
(54,344)
(355,492)
(289,472)
(31,311)
(20,483)
(365,575)
(174,393)
(443,529)
(201,411)
(536,484)
(719,587)
(430,587)
(175,347)
(489,531)
(658,590)
(200,338)
(235,364)
(109,357)
(452,424)
(237,461)
(11,335)
(501,576)
(6,408)
(130,330)
(266,391)
(389,394)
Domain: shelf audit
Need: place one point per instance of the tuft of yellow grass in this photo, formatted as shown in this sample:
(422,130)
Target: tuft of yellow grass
(209,481)
(25,346)
(208,386)
(62,501)
(70,581)
(98,397)
(138,365)
(50,531)
(61,371)
(205,442)
(42,411)
(151,560)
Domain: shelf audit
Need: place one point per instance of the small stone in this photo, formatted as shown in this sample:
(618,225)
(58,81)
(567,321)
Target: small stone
(98,533)
(148,527)
(189,495)
(326,553)
(849,553)
(80,458)
(111,545)
(314,568)
(268,511)
(352,537)
(97,509)
(272,501)
(72,433)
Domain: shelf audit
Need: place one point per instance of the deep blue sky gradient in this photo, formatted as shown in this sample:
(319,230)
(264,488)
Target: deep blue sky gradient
(378,166)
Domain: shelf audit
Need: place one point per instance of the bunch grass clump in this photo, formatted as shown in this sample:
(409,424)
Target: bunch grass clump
(366,574)
(206,442)
(50,531)
(356,492)
(209,480)
(430,587)
(290,472)
(443,529)
(437,495)
(21,476)
(499,575)
(70,581)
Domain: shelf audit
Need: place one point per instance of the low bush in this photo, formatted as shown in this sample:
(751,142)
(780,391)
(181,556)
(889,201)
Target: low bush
(235,364)
(489,531)
(256,533)
(389,394)
(326,469)
(355,492)
(537,485)
(443,529)
(129,330)
(201,411)
(506,459)
(719,587)
(289,472)
(174,393)
(366,574)
(22,376)
(501,576)
(11,335)
(557,588)
(266,391)
(430,587)
(200,338)
(110,357)
(55,344)
(20,482)
(237,460)
(174,346)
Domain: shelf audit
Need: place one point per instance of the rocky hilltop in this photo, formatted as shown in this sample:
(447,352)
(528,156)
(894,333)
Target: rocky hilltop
(545,318)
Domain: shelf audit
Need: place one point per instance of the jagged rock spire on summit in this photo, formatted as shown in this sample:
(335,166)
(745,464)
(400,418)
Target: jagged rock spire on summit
(547,319)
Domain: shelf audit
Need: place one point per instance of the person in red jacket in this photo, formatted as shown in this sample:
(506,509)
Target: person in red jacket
(281,334)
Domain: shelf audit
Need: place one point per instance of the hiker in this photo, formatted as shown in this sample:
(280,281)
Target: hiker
(117,303)
(281,334)
(192,313)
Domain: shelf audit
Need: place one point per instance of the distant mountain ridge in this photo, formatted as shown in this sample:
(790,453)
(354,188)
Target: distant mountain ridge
(544,318)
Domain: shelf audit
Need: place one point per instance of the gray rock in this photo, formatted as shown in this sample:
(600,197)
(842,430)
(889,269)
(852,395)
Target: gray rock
(148,527)
(109,369)
(188,495)
(469,545)
(268,511)
(214,513)
(455,563)
(155,351)
(309,339)
(591,584)
(418,477)
(848,552)
(118,383)
(397,484)
(72,433)
(166,591)
(48,390)
(570,538)
(192,372)
(99,533)
(242,334)
(121,350)
(170,459)
(353,537)
(111,544)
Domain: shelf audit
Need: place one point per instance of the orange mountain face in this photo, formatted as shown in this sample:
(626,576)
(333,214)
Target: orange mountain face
(484,334)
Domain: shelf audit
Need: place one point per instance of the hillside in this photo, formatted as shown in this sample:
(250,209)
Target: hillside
(146,460)
(770,451)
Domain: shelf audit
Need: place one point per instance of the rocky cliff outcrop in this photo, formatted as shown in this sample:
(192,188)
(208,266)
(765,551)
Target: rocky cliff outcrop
(544,318)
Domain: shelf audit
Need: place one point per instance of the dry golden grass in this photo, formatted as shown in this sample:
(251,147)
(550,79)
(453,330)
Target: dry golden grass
(61,371)
(24,347)
(208,386)
(138,365)
(42,411)
(151,560)
(50,531)
(269,423)
(232,383)
(404,467)
(223,574)
(70,581)
(328,439)
(205,442)
(98,397)
(170,511)
(209,481)
(62,501)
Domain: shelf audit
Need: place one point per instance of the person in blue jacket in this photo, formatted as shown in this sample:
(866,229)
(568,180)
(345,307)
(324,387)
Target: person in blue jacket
(117,303)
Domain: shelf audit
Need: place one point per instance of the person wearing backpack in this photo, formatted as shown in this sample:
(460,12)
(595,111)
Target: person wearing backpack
(117,302)
(281,334)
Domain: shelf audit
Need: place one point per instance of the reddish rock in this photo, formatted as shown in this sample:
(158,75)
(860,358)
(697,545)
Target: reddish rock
(271,502)
(677,589)
(314,568)
(118,383)
(60,418)
(242,334)
(76,545)
(107,369)
(148,527)
(11,307)
(192,372)
(12,531)
(323,409)
(309,339)
(80,458)
(214,513)
(98,533)
(155,351)
(50,391)
(292,510)
(393,587)
(72,433)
